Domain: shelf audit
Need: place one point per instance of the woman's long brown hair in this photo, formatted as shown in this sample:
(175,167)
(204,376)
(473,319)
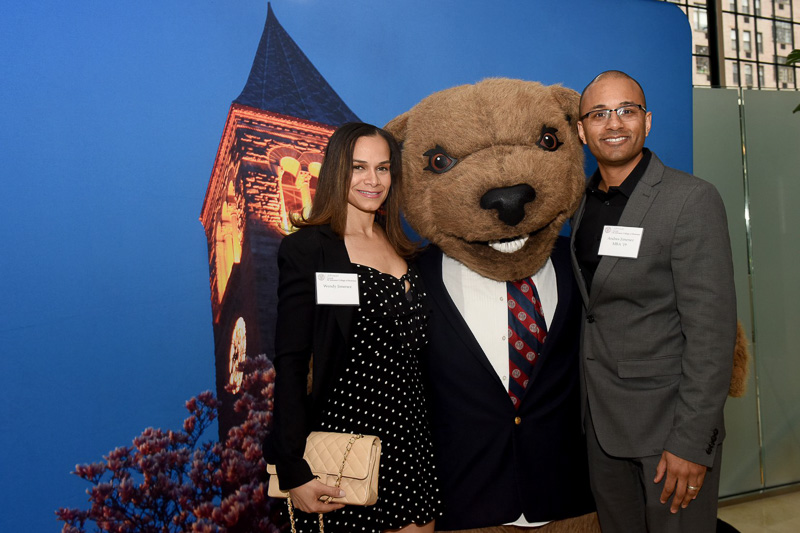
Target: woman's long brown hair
(330,199)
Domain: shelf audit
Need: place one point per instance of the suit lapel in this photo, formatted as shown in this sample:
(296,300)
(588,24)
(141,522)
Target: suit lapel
(576,222)
(643,195)
(335,259)
(635,210)
(565,287)
(431,269)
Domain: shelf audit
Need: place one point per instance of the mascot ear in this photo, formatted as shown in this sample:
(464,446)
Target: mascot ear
(397,127)
(569,100)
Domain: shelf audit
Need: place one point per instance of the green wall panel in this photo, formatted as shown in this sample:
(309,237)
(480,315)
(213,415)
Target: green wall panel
(772,137)
(750,150)
(718,159)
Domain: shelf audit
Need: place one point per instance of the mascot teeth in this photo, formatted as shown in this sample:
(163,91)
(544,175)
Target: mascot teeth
(509,247)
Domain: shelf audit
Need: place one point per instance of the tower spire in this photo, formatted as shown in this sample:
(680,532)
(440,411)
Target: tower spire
(284,81)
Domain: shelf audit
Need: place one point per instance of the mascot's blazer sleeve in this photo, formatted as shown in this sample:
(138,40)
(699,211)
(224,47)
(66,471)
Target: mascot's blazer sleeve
(303,329)
(496,463)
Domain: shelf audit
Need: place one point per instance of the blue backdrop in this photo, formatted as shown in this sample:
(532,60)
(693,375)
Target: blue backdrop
(111,117)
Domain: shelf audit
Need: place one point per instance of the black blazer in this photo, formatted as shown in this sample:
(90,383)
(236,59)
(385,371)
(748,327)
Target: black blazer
(303,329)
(495,463)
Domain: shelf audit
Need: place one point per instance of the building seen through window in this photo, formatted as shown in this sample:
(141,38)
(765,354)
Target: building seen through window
(723,35)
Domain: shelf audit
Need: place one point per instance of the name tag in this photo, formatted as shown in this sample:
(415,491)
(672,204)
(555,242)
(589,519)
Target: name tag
(621,241)
(337,288)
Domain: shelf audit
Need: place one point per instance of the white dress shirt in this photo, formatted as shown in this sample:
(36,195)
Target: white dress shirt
(482,303)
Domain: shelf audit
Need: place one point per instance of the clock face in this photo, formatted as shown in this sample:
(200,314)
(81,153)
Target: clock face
(237,354)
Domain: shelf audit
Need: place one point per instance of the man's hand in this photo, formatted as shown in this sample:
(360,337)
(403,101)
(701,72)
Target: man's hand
(684,479)
(306,497)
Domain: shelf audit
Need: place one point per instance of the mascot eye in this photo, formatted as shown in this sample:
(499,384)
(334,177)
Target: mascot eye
(548,140)
(439,161)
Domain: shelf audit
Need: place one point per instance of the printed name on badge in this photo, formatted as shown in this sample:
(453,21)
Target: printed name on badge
(337,288)
(621,241)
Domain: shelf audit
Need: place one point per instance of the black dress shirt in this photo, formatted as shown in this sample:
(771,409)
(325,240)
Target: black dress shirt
(603,209)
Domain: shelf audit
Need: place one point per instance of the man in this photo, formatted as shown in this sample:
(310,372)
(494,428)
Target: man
(651,253)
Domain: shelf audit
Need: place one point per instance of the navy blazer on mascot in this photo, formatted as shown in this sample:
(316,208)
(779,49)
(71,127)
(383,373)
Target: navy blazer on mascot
(491,173)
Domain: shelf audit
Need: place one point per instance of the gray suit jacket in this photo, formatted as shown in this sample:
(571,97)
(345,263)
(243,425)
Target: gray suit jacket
(659,330)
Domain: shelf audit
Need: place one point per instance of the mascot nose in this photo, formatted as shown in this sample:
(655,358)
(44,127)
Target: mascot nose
(509,202)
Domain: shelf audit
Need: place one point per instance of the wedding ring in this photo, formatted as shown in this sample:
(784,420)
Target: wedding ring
(692,488)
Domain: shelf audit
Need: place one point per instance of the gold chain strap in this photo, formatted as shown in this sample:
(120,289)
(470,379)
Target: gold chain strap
(291,517)
(349,447)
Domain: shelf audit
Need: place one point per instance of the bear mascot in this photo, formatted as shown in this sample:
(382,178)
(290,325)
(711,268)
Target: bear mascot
(492,171)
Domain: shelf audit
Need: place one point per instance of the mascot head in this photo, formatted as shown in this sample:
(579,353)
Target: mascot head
(491,172)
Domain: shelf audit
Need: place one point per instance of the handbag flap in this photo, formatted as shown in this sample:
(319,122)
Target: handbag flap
(325,452)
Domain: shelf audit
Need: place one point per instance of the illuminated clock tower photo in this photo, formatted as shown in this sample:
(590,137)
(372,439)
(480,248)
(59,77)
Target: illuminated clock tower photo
(266,169)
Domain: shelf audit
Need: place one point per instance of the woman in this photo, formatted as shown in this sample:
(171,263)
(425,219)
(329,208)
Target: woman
(366,376)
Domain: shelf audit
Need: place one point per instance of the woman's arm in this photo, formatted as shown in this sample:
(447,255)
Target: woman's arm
(297,257)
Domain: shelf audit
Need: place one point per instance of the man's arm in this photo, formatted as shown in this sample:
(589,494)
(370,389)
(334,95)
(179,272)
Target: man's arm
(702,271)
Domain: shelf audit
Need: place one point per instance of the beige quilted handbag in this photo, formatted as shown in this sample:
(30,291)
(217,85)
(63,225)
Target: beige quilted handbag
(340,460)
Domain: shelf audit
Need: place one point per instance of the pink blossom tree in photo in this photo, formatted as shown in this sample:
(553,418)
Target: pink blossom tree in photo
(174,481)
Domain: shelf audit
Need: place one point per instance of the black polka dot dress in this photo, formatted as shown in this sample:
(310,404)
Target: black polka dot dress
(380,393)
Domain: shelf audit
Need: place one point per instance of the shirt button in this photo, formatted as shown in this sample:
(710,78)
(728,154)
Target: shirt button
(517,421)
(504,378)
(502,298)
(607,202)
(503,338)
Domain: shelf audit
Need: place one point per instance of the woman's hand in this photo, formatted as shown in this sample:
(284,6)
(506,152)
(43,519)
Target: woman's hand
(306,497)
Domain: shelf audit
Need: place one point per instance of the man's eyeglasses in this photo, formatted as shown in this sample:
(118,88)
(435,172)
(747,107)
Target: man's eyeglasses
(625,113)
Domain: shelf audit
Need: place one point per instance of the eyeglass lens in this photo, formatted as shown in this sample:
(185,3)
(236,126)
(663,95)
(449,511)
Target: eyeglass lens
(625,113)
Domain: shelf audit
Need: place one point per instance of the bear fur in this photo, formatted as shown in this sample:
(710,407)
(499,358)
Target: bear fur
(493,132)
